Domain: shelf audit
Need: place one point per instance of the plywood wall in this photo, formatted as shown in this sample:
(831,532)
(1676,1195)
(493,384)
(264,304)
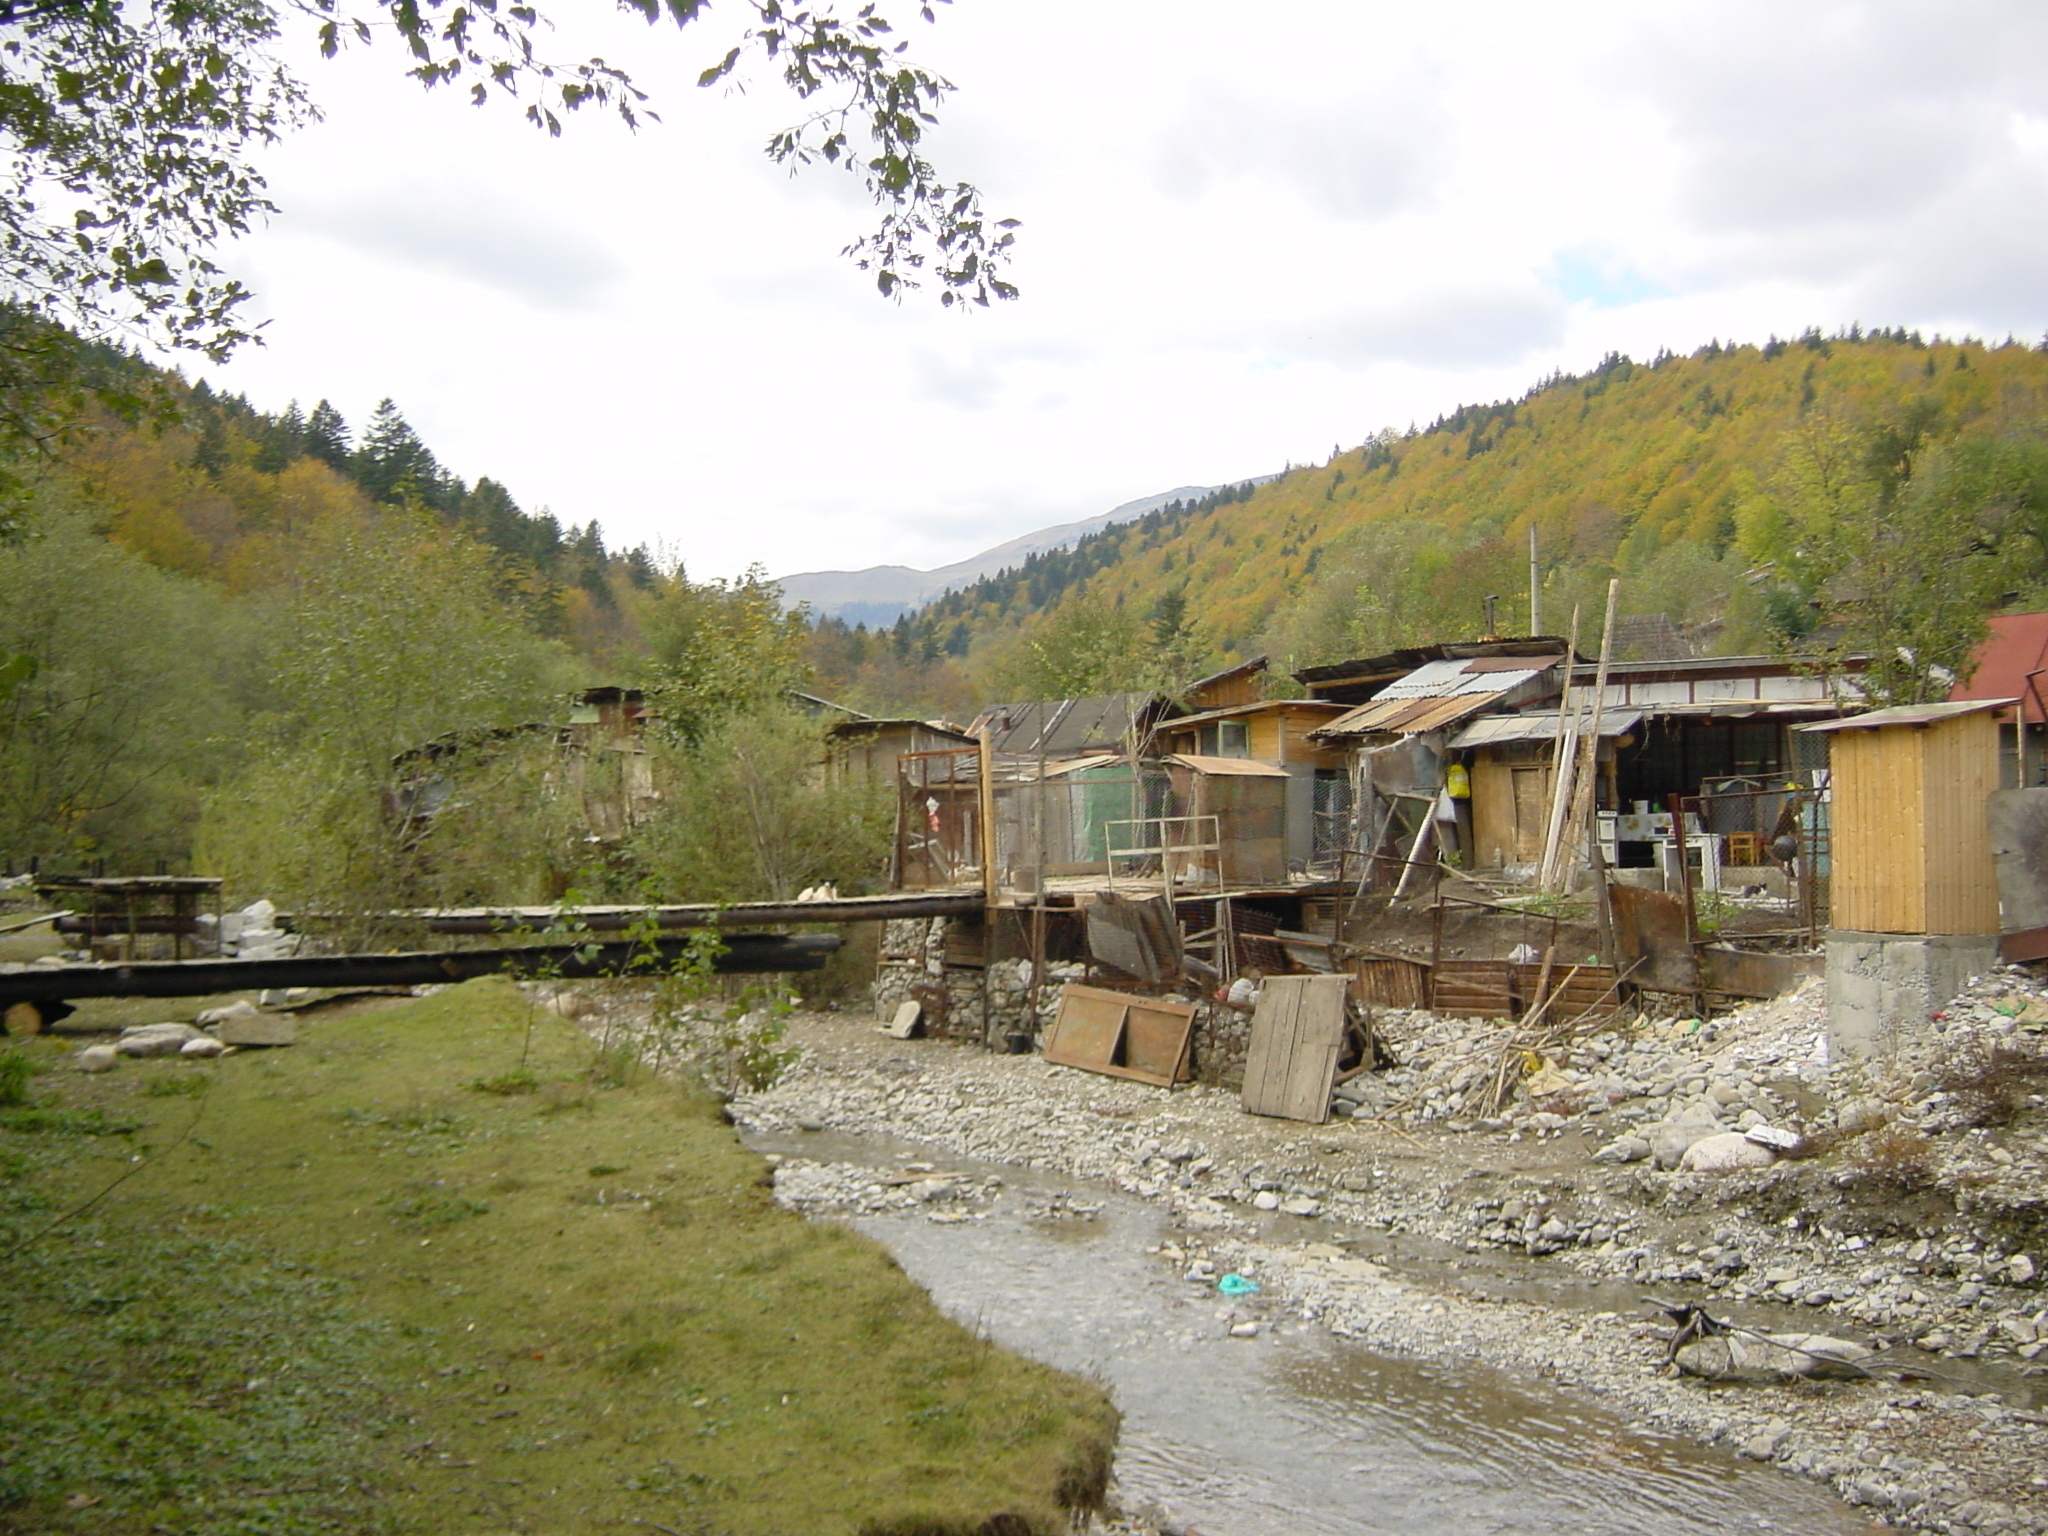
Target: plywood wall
(1508,813)
(1912,846)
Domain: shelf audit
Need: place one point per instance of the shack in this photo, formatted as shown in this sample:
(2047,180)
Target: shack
(1915,887)
(866,751)
(1397,741)
(1279,733)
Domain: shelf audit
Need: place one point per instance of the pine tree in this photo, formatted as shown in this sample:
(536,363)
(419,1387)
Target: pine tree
(282,439)
(327,437)
(393,464)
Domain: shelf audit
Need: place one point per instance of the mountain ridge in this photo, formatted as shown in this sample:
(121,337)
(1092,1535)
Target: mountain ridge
(880,594)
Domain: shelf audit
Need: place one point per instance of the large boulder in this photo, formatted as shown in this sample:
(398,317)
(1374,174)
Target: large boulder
(155,1039)
(1728,1152)
(1671,1138)
(1745,1356)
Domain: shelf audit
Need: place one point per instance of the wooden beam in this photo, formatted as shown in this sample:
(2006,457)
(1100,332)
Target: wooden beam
(746,954)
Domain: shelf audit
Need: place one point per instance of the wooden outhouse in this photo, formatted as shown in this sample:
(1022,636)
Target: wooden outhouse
(1911,843)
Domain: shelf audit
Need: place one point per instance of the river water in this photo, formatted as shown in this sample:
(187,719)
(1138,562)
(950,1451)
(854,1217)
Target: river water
(1297,1433)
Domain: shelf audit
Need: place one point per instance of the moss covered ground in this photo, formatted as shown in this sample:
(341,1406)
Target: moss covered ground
(439,1268)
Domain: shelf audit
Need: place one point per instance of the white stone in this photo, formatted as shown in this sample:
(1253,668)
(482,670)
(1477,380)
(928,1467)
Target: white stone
(1266,1200)
(204,1045)
(98,1058)
(1725,1153)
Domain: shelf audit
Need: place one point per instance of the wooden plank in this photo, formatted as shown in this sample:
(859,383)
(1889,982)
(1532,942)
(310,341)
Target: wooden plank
(1156,1036)
(1390,983)
(1088,1029)
(1297,1032)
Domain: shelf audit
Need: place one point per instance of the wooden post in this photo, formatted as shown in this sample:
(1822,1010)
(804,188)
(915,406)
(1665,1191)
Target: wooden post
(1563,757)
(1579,823)
(988,820)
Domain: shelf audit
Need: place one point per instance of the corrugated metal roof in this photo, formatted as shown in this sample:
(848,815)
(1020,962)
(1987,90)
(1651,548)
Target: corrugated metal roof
(1064,727)
(2006,662)
(1499,730)
(1908,714)
(1437,694)
(1239,711)
(1081,764)
(1241,767)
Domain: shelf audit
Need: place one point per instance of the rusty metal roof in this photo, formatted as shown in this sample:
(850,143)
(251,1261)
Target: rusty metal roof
(1437,694)
(1238,767)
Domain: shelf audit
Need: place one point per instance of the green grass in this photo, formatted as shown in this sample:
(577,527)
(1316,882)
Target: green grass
(346,1291)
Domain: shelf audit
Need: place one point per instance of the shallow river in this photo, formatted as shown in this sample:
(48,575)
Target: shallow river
(1298,1433)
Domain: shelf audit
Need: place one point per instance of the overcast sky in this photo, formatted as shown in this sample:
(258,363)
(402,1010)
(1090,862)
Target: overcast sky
(1250,234)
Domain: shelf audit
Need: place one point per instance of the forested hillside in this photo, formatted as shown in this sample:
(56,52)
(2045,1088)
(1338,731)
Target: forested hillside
(224,635)
(1795,493)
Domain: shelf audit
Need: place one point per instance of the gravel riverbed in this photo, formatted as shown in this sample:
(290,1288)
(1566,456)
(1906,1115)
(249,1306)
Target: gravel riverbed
(1528,1239)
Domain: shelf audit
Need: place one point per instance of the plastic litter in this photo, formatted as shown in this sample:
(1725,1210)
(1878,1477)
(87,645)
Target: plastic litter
(1237,1285)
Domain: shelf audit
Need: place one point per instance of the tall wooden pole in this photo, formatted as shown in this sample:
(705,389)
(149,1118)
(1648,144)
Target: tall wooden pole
(1563,757)
(1580,823)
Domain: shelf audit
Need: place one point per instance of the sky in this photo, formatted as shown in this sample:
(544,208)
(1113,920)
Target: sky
(1249,236)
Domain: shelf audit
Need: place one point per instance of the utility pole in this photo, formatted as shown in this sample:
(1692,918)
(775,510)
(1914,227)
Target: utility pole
(1535,585)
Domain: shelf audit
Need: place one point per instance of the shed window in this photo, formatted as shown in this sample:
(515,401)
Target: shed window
(1233,738)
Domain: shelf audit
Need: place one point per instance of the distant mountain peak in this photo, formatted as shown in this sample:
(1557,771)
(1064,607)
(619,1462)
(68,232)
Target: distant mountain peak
(879,594)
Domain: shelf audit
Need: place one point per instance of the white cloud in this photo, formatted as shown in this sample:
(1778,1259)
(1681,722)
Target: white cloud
(1247,234)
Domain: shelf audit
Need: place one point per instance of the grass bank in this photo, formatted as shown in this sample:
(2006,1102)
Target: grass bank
(440,1269)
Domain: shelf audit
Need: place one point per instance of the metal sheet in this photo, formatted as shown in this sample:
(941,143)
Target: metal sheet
(2019,850)
(1749,973)
(1652,941)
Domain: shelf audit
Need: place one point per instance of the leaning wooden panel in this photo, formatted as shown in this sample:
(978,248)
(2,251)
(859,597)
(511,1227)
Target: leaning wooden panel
(1156,1036)
(1142,1038)
(1089,1028)
(1297,1031)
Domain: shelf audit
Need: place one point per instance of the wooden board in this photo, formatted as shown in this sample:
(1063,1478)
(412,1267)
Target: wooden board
(1142,1038)
(1503,989)
(1297,1031)
(1156,1036)
(1386,982)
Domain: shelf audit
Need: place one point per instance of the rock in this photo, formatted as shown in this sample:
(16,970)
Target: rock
(1859,1115)
(255,1028)
(1244,1330)
(1670,1140)
(1771,1357)
(240,1008)
(202,1045)
(98,1058)
(1763,1445)
(2020,1269)
(1266,1200)
(1356,1183)
(1623,1149)
(155,1039)
(1301,1205)
(1726,1152)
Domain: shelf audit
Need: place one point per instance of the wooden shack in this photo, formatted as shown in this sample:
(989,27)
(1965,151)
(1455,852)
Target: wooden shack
(1912,842)
(1277,732)
(1249,801)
